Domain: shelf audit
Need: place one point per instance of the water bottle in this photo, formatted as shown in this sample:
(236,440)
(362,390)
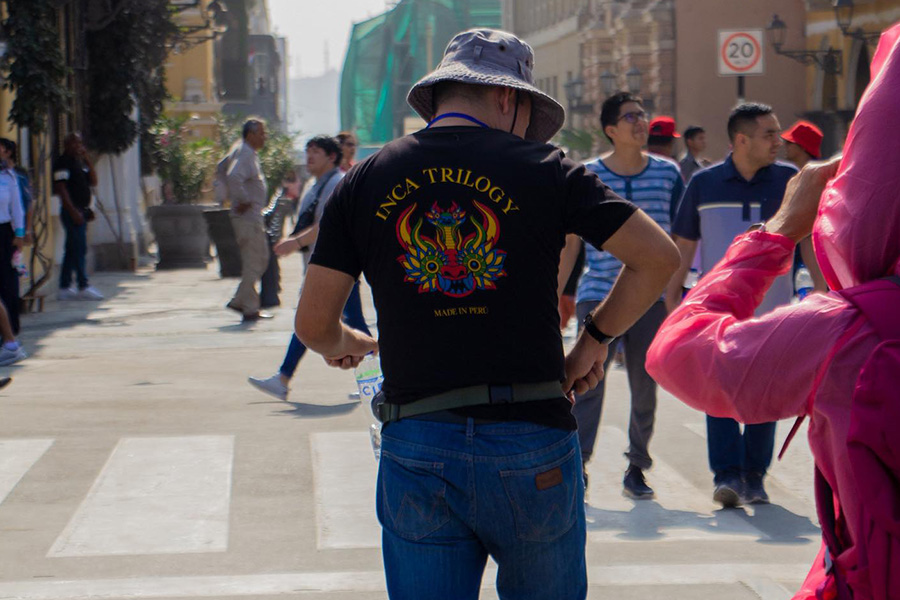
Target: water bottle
(18,263)
(803,283)
(369,379)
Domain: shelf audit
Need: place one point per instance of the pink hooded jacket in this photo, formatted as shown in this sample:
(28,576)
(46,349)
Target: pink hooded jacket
(715,357)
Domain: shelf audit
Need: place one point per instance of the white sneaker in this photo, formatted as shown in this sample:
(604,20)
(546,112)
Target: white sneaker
(270,385)
(90,293)
(9,357)
(67,294)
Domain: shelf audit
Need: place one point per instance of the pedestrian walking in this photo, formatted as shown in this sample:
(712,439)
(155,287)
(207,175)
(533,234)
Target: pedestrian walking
(653,184)
(246,185)
(73,178)
(12,237)
(833,357)
(721,202)
(694,145)
(11,351)
(458,229)
(9,156)
(662,136)
(323,159)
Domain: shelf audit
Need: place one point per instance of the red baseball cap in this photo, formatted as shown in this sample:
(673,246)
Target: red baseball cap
(807,136)
(664,127)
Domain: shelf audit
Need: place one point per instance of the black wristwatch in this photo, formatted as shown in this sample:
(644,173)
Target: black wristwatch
(595,333)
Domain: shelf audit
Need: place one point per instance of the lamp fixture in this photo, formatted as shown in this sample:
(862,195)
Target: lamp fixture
(843,14)
(829,61)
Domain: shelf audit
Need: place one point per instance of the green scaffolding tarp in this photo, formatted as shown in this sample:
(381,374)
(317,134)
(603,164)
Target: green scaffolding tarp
(390,52)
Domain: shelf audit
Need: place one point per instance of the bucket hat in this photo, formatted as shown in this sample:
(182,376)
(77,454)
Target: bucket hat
(491,57)
(807,136)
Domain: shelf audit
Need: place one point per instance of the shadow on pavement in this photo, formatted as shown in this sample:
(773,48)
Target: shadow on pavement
(302,410)
(648,520)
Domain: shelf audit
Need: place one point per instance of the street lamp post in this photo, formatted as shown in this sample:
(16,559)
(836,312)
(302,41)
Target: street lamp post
(608,83)
(830,61)
(843,14)
(574,89)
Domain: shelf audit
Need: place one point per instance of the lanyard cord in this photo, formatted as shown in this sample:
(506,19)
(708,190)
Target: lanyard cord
(515,113)
(457,115)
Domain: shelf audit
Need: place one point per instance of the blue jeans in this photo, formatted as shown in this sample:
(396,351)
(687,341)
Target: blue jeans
(734,454)
(450,495)
(75,253)
(353,317)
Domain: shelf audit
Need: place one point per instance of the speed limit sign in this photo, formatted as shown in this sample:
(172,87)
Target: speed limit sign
(741,52)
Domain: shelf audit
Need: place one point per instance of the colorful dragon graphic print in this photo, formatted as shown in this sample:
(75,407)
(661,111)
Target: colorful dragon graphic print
(449,263)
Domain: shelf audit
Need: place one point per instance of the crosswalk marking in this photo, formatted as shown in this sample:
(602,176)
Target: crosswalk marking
(344,473)
(680,511)
(16,458)
(663,575)
(155,496)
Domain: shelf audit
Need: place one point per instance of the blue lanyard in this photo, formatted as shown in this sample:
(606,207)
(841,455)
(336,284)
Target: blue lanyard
(457,116)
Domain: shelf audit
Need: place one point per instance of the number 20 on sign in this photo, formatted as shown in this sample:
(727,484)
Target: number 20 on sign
(740,52)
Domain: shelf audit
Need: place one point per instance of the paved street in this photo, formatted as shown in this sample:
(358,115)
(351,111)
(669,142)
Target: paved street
(136,462)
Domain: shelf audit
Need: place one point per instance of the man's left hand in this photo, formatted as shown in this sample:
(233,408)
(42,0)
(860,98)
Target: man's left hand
(584,365)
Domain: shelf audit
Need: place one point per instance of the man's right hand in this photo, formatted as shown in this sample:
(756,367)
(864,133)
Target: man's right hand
(77,217)
(584,365)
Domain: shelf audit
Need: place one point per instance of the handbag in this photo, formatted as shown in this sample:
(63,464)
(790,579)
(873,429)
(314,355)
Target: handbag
(307,218)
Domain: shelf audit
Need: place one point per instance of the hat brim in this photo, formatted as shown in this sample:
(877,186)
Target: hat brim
(547,115)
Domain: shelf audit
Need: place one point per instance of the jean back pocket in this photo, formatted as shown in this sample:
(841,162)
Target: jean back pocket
(411,496)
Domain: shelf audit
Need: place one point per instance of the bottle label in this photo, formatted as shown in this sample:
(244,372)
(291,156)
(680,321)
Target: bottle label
(369,387)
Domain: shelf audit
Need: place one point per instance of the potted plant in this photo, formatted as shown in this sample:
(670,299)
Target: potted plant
(183,166)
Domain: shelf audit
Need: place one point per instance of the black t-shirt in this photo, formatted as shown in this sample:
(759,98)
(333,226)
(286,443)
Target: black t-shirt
(458,231)
(74,173)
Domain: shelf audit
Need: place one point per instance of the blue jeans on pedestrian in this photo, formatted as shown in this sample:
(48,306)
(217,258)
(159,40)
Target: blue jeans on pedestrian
(736,454)
(451,494)
(353,317)
(75,254)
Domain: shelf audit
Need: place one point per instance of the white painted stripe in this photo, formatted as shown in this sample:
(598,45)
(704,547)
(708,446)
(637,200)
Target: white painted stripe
(372,581)
(16,458)
(680,511)
(155,496)
(344,473)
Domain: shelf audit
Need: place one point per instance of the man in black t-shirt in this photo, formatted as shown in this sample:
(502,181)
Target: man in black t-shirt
(73,178)
(458,229)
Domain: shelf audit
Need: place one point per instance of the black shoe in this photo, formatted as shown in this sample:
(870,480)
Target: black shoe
(634,486)
(256,316)
(728,492)
(754,490)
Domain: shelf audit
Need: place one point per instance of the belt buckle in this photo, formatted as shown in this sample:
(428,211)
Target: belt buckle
(500,394)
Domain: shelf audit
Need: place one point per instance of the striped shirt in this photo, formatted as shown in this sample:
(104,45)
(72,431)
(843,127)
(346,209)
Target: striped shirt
(656,190)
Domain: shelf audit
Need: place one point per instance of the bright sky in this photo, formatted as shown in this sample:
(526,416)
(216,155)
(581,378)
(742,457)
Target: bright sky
(318,30)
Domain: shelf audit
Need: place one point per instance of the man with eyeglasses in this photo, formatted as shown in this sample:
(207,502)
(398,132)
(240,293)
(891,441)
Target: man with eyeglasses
(654,184)
(721,202)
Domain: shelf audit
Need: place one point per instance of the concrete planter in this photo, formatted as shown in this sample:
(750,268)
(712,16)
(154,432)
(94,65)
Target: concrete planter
(181,236)
(218,222)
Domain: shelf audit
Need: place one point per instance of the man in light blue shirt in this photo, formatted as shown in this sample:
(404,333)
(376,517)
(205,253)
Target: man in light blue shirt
(654,184)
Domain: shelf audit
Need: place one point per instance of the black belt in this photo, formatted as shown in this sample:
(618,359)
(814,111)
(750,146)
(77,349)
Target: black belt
(470,396)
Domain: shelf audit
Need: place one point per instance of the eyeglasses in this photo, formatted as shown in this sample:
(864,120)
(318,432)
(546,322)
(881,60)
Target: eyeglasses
(633,117)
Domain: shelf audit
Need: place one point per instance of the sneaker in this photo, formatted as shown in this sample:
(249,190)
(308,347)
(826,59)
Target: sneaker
(728,492)
(67,294)
(270,385)
(634,486)
(9,357)
(90,293)
(754,490)
(256,316)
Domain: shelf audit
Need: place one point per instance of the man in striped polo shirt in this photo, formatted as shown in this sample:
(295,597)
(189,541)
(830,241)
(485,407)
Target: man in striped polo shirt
(655,185)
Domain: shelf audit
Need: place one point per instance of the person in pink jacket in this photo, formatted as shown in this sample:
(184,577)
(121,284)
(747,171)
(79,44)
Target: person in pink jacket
(803,359)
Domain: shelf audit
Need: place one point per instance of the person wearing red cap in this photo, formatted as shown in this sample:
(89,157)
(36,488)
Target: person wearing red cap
(803,143)
(662,137)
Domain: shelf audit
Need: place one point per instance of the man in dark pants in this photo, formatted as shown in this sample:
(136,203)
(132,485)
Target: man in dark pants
(458,229)
(721,202)
(73,178)
(654,184)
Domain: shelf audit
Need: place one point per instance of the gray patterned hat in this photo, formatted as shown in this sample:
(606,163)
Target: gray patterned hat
(491,57)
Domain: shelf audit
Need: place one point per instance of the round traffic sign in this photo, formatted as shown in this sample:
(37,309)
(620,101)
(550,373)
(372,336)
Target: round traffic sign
(741,52)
